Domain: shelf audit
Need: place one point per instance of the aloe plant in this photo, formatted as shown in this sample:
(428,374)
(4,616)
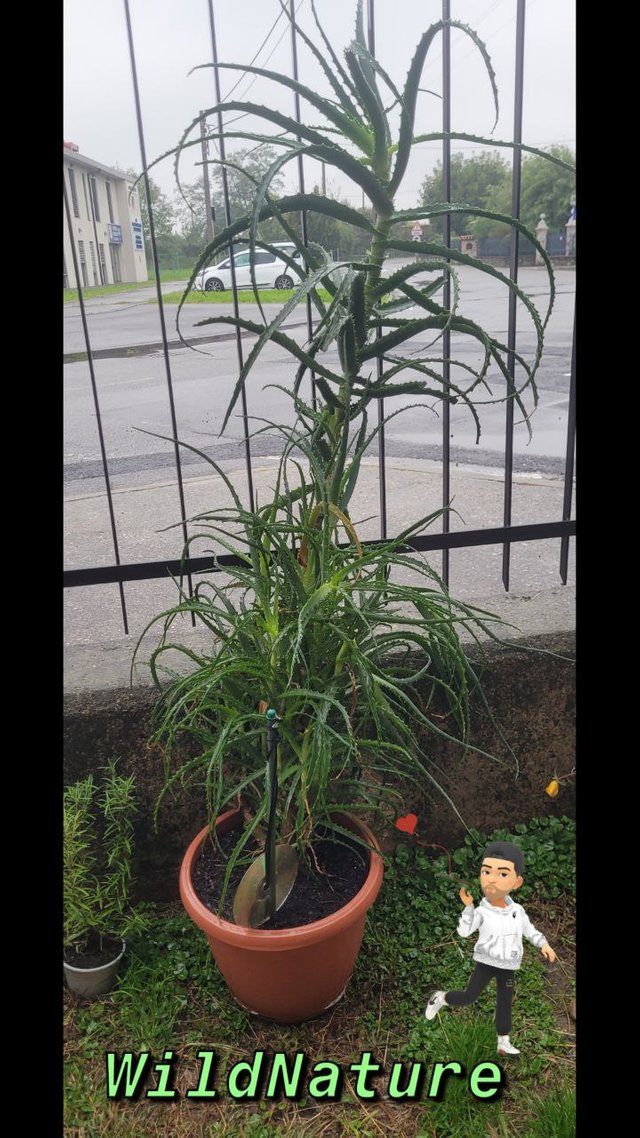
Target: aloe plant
(361,667)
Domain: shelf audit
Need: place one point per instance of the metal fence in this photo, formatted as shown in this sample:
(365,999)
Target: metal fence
(562,528)
(501,246)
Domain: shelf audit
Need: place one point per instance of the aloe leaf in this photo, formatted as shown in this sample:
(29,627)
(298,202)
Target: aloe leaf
(439,136)
(268,333)
(372,103)
(409,215)
(368,181)
(346,124)
(424,293)
(218,469)
(347,351)
(361,41)
(278,338)
(388,390)
(330,72)
(349,482)
(258,201)
(410,93)
(453,392)
(201,454)
(365,54)
(328,396)
(407,330)
(335,316)
(483,267)
(389,284)
(357,309)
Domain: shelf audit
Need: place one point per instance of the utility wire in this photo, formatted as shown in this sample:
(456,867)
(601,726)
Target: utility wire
(253,79)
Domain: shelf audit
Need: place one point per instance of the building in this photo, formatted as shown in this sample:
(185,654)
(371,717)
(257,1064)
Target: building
(106,224)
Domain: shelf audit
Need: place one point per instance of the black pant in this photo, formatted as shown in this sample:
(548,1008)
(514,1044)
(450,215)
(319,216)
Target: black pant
(480,977)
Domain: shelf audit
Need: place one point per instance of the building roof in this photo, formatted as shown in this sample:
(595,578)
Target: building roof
(78,159)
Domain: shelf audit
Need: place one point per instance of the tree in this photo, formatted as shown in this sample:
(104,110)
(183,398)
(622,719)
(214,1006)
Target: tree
(547,189)
(192,219)
(544,189)
(473,180)
(192,216)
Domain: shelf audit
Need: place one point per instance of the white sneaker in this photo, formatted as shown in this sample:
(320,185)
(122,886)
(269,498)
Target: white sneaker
(505,1047)
(436,1002)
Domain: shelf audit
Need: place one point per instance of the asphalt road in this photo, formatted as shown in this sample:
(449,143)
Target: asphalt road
(133,388)
(131,379)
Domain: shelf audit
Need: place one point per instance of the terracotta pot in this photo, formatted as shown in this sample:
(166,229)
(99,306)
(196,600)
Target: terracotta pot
(287,975)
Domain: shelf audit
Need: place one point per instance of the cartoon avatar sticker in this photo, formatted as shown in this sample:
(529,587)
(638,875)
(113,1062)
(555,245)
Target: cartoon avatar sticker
(501,924)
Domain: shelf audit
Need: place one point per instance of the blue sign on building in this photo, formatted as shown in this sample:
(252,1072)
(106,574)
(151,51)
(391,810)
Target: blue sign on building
(115,234)
(137,234)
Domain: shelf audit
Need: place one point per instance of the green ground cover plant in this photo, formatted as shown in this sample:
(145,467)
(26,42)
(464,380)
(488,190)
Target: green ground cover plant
(171,996)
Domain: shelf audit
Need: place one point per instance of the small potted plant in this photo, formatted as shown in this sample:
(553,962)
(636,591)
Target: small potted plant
(331,663)
(97,850)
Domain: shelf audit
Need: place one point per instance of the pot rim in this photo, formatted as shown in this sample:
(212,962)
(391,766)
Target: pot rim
(279,939)
(98,967)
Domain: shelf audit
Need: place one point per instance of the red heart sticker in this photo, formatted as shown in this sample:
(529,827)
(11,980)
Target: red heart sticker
(407,824)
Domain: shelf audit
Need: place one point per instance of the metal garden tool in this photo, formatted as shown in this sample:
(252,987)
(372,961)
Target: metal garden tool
(269,881)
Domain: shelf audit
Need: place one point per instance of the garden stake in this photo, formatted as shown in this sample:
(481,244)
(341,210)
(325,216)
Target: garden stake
(269,881)
(273,738)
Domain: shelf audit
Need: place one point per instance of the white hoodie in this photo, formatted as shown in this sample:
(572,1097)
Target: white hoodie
(501,931)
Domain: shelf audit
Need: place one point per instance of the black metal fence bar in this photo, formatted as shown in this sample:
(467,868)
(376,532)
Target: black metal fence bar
(382,450)
(96,401)
(234,286)
(568,466)
(156,267)
(446,299)
(462,539)
(303,213)
(511,339)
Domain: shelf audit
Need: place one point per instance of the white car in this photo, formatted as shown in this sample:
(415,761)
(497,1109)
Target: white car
(270,271)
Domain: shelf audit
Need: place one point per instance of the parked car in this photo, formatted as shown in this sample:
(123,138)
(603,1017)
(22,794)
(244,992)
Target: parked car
(270,271)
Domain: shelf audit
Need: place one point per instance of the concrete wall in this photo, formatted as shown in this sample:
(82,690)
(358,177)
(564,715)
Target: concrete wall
(530,688)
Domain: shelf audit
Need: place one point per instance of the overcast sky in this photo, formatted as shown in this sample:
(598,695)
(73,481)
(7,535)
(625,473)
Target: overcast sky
(172,37)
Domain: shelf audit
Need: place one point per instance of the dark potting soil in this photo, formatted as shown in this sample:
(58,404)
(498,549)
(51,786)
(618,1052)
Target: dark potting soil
(343,864)
(95,954)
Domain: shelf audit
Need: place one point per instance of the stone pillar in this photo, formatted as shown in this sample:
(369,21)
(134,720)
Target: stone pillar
(469,244)
(542,233)
(570,231)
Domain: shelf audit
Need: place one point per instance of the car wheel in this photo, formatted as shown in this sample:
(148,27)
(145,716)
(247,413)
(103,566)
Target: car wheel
(214,284)
(284,282)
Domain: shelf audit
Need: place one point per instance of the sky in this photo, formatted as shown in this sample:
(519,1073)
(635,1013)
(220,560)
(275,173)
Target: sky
(172,38)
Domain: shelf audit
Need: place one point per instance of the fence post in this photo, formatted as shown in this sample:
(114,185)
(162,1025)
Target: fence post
(469,244)
(570,230)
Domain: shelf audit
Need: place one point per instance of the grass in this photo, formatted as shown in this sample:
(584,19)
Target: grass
(267,296)
(245,296)
(70,295)
(171,996)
